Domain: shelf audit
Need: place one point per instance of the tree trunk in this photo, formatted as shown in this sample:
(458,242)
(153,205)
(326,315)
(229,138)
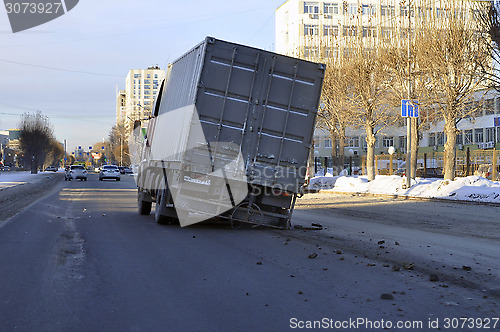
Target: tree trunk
(370,153)
(335,157)
(450,129)
(341,161)
(34,165)
(414,147)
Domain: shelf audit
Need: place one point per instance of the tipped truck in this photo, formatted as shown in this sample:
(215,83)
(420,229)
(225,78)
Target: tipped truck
(229,136)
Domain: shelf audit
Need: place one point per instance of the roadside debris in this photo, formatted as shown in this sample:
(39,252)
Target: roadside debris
(313,255)
(313,227)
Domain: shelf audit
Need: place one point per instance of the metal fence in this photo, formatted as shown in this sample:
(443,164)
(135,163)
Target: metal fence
(485,163)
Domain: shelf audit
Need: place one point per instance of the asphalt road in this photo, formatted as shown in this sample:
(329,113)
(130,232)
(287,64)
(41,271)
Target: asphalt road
(82,259)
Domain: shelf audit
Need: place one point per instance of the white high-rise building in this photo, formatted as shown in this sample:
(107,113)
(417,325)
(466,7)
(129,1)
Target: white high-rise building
(316,30)
(141,89)
(121,101)
(323,29)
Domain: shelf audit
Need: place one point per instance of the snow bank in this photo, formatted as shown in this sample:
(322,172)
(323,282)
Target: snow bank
(13,178)
(471,188)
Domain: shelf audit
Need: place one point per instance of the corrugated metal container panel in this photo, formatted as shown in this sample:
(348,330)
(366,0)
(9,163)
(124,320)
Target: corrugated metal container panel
(261,101)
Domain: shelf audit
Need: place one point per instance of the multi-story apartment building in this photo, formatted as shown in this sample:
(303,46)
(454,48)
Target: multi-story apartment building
(322,29)
(317,30)
(121,101)
(141,88)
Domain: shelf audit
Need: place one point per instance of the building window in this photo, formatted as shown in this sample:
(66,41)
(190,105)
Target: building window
(330,30)
(137,75)
(146,102)
(310,30)
(387,10)
(490,134)
(352,142)
(369,32)
(387,142)
(489,106)
(440,138)
(387,32)
(479,135)
(155,81)
(331,9)
(460,138)
(498,135)
(146,92)
(331,52)
(311,52)
(369,10)
(432,139)
(311,8)
(351,9)
(468,137)
(328,143)
(147,87)
(349,30)
(402,143)
(149,76)
(146,97)
(147,82)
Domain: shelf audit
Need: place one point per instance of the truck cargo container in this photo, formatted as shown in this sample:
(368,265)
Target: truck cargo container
(229,136)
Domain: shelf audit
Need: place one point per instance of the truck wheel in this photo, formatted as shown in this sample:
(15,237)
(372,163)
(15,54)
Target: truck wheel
(159,206)
(143,207)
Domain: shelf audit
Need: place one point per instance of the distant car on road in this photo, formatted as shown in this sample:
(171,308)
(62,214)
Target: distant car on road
(97,170)
(76,172)
(50,169)
(125,170)
(109,172)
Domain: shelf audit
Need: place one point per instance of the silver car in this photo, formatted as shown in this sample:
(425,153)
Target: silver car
(76,172)
(109,172)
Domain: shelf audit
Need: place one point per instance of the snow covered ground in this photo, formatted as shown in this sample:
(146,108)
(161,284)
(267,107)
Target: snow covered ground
(471,188)
(12,179)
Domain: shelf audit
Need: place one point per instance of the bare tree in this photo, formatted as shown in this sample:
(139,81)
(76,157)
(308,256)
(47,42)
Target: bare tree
(55,153)
(119,145)
(455,57)
(367,96)
(35,137)
(488,16)
(334,113)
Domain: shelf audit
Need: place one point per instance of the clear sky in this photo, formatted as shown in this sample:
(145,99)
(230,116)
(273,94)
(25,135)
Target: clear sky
(90,50)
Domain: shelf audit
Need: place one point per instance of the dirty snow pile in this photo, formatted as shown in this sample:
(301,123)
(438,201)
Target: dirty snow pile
(471,188)
(13,178)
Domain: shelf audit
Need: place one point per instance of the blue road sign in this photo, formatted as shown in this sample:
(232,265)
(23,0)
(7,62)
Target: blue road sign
(496,122)
(409,108)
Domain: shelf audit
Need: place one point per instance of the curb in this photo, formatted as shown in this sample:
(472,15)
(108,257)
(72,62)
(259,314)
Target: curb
(407,197)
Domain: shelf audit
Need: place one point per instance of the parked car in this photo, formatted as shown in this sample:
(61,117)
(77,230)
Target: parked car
(75,172)
(109,172)
(50,169)
(127,170)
